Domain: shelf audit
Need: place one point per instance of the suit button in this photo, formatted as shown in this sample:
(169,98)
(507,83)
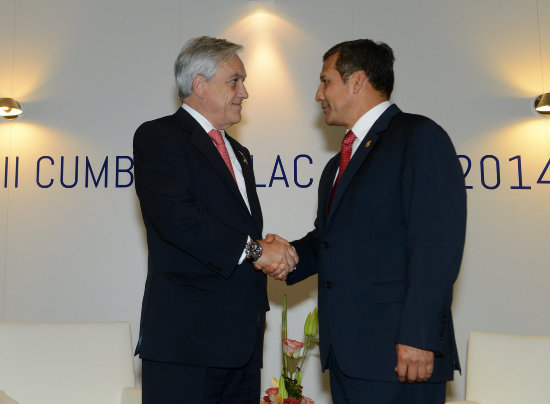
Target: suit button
(326,244)
(328,285)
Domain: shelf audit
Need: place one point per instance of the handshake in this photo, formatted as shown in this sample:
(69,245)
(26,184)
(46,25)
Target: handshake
(278,257)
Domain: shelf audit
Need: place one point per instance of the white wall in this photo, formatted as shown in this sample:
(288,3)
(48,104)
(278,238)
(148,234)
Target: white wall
(88,73)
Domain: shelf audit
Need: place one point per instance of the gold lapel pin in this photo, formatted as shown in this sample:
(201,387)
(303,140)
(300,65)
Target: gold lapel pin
(244,158)
(368,143)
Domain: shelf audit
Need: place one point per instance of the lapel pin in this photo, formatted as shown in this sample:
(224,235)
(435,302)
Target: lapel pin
(244,158)
(367,145)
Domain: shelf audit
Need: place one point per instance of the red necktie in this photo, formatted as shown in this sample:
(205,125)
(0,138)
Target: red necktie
(217,138)
(345,156)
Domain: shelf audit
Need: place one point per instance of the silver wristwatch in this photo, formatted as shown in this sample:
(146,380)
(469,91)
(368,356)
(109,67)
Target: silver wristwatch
(253,251)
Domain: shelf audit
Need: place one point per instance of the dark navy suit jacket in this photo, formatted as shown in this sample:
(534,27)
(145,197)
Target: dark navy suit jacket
(199,306)
(388,252)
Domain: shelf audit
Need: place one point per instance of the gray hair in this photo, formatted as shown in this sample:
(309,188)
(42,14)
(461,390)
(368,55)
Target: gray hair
(201,56)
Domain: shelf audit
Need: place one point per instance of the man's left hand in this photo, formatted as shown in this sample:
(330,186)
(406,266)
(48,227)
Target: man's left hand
(413,364)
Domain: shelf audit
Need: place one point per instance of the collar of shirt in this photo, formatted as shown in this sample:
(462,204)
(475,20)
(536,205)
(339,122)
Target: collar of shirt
(364,124)
(205,123)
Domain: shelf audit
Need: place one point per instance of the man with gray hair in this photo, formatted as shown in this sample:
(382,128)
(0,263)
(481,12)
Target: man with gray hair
(204,303)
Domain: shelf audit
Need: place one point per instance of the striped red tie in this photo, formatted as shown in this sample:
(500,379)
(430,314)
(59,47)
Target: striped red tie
(217,138)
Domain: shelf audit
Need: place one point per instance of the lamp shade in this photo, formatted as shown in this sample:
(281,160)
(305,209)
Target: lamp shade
(542,104)
(9,108)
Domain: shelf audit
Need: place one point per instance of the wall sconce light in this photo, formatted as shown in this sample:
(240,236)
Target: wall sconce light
(9,108)
(542,104)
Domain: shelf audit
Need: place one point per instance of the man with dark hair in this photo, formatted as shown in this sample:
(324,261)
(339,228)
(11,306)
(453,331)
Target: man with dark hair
(204,304)
(376,60)
(388,239)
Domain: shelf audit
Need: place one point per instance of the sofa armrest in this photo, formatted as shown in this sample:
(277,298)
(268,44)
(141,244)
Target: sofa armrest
(5,399)
(462,402)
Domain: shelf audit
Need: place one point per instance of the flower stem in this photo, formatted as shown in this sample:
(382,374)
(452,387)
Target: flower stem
(283,337)
(306,349)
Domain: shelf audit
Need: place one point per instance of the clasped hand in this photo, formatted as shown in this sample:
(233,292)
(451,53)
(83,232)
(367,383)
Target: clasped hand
(278,257)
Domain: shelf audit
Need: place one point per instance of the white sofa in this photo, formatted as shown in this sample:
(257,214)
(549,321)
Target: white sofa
(507,369)
(67,363)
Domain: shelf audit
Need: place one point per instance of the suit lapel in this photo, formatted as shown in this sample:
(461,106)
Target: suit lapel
(360,155)
(205,145)
(249,180)
(325,186)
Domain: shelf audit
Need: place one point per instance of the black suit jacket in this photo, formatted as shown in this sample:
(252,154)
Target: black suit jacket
(390,249)
(199,306)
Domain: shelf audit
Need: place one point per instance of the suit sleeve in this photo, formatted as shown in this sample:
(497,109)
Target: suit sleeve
(168,203)
(308,246)
(307,250)
(434,204)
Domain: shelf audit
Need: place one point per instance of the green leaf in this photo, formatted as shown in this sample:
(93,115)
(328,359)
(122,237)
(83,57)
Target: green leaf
(283,393)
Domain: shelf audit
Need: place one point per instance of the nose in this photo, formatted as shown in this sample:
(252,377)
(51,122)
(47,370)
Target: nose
(242,91)
(319,94)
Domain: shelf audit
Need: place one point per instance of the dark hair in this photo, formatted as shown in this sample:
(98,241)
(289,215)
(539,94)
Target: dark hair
(375,59)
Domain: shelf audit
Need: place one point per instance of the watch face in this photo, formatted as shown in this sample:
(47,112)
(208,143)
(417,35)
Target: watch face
(254,251)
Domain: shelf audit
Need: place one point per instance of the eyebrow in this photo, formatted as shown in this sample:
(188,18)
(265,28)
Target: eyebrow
(236,76)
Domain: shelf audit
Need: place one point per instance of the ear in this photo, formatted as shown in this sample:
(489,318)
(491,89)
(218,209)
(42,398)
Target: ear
(199,86)
(358,80)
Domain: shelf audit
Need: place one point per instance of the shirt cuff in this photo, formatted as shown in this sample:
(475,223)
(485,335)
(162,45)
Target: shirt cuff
(243,255)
